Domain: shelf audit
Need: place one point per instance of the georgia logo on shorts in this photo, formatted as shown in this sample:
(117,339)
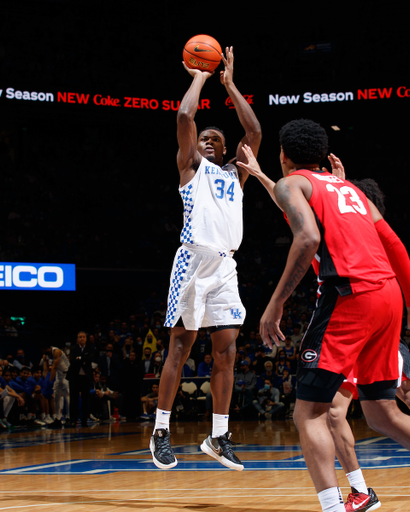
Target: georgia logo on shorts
(308,356)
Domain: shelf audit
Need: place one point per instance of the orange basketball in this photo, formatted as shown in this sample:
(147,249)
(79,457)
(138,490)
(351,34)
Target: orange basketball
(202,52)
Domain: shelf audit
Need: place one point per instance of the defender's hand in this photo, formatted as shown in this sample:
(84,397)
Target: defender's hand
(226,75)
(337,167)
(269,325)
(252,166)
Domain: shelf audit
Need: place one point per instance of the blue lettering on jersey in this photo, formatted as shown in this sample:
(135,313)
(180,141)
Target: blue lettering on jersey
(225,174)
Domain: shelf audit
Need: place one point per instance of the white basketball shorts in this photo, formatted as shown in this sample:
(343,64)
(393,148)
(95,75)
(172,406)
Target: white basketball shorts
(204,290)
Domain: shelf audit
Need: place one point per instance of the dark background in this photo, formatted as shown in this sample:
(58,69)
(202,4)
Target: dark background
(97,186)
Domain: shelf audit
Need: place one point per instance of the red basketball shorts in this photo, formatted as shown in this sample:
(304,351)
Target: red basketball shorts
(358,331)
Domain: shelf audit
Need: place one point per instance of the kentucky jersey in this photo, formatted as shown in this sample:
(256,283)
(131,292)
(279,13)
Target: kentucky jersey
(350,247)
(63,364)
(213,208)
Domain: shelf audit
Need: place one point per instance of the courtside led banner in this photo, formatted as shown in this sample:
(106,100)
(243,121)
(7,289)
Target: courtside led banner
(37,276)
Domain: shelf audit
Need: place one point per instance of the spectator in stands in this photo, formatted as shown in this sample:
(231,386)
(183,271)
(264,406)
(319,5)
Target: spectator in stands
(23,380)
(289,327)
(304,322)
(150,342)
(156,364)
(146,362)
(246,375)
(241,406)
(205,367)
(258,366)
(21,360)
(290,352)
(7,399)
(281,363)
(128,346)
(287,385)
(149,403)
(110,366)
(268,374)
(2,381)
(297,335)
(268,403)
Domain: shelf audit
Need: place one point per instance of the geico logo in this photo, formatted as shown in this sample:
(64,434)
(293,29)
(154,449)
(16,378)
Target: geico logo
(403,92)
(27,276)
(309,356)
(26,95)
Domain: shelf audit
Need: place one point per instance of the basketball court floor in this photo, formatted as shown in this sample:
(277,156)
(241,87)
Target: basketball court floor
(108,467)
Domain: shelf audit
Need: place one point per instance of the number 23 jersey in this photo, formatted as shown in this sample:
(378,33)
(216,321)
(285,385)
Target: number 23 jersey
(213,208)
(350,247)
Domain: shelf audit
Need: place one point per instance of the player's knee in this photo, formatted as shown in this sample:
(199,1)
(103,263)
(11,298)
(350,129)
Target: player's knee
(226,357)
(334,416)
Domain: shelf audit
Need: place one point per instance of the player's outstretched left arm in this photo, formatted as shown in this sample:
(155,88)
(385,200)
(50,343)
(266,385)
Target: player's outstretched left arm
(291,198)
(247,117)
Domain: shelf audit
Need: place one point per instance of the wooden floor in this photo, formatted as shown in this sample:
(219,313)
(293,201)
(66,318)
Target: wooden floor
(109,468)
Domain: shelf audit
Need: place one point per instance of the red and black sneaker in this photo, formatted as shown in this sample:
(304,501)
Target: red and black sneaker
(361,501)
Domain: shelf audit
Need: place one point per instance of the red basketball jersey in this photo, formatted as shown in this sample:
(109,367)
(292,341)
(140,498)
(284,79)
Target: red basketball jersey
(350,247)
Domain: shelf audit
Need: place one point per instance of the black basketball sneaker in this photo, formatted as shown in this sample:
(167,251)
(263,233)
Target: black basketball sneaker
(220,448)
(162,453)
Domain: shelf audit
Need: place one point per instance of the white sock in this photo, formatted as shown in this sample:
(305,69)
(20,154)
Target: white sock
(331,500)
(42,415)
(162,419)
(356,480)
(219,424)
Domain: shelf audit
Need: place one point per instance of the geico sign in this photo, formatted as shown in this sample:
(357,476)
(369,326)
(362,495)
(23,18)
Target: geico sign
(32,276)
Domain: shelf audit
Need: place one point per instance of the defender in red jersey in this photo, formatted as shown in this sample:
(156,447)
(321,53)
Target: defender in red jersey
(332,223)
(363,498)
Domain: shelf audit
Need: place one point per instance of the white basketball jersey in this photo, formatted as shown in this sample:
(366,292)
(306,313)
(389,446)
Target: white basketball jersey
(213,208)
(63,363)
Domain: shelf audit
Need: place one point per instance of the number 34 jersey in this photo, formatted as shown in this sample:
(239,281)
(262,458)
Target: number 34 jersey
(350,247)
(213,208)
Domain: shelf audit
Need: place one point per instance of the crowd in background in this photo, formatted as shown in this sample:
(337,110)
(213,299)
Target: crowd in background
(127,360)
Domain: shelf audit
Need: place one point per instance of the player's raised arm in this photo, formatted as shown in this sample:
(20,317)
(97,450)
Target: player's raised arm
(247,117)
(188,158)
(291,198)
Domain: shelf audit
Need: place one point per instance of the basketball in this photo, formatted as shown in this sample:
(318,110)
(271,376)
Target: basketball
(202,52)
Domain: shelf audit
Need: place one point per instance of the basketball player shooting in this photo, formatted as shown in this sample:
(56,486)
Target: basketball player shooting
(203,286)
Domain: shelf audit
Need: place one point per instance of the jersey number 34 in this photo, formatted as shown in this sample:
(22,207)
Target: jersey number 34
(221,190)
